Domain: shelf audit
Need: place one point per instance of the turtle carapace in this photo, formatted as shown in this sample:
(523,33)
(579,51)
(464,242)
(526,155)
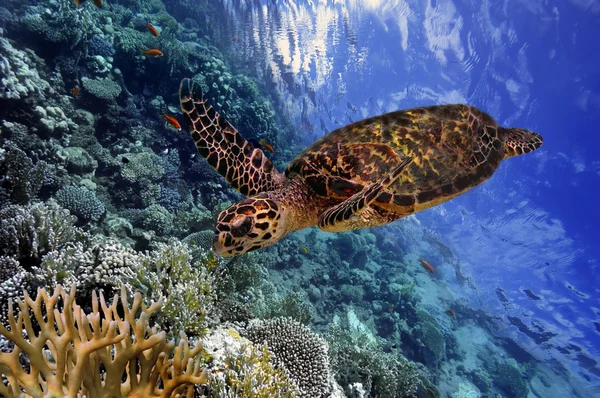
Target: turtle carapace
(365,174)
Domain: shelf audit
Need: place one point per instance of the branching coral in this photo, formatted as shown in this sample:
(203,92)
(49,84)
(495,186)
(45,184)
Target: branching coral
(12,283)
(81,202)
(250,374)
(29,232)
(98,354)
(24,178)
(356,359)
(187,290)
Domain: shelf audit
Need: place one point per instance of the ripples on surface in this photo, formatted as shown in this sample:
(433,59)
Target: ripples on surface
(333,62)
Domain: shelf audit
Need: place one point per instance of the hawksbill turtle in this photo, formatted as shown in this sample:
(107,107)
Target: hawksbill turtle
(366,174)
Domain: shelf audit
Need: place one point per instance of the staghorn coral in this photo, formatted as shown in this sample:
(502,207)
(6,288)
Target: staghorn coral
(57,23)
(298,351)
(96,354)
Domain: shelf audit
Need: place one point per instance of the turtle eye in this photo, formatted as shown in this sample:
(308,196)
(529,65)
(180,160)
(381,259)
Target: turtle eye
(241,226)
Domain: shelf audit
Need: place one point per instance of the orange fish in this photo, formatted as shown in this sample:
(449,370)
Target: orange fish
(172,121)
(427,266)
(78,2)
(152,30)
(152,53)
(75,91)
(267,146)
(98,3)
(451,313)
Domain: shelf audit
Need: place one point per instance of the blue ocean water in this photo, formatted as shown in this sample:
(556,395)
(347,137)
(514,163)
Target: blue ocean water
(535,225)
(514,298)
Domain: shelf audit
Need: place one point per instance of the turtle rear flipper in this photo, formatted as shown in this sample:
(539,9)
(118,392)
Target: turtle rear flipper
(346,216)
(245,167)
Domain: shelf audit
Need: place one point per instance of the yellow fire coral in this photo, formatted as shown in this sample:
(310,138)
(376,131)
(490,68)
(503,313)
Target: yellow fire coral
(99,354)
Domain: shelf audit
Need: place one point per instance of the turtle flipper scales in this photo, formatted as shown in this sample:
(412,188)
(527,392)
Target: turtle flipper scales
(346,216)
(245,167)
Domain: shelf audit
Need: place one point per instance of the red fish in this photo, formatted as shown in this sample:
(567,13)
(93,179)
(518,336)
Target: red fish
(152,53)
(427,266)
(98,3)
(172,121)
(267,146)
(152,30)
(75,91)
(451,313)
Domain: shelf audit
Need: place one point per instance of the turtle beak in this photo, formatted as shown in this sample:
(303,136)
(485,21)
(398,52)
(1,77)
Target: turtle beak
(218,247)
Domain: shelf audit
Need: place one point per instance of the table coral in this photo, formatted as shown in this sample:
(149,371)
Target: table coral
(104,89)
(99,353)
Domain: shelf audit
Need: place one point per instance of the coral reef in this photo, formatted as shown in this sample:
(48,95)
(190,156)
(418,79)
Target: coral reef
(27,233)
(97,353)
(13,279)
(298,351)
(104,89)
(81,202)
(19,77)
(358,360)
(99,192)
(250,373)
(24,178)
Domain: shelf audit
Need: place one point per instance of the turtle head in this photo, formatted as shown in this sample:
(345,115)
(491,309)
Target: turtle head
(520,141)
(249,225)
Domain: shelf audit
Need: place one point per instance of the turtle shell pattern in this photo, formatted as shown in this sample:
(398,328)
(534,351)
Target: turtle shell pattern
(455,148)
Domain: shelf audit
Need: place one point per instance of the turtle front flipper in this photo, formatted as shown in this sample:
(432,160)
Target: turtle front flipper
(245,167)
(352,213)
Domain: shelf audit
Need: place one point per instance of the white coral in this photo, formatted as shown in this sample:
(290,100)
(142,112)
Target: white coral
(18,80)
(466,390)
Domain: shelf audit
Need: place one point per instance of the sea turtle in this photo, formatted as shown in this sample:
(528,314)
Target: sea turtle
(366,174)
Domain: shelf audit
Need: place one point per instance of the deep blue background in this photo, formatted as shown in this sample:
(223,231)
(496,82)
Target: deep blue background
(536,224)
